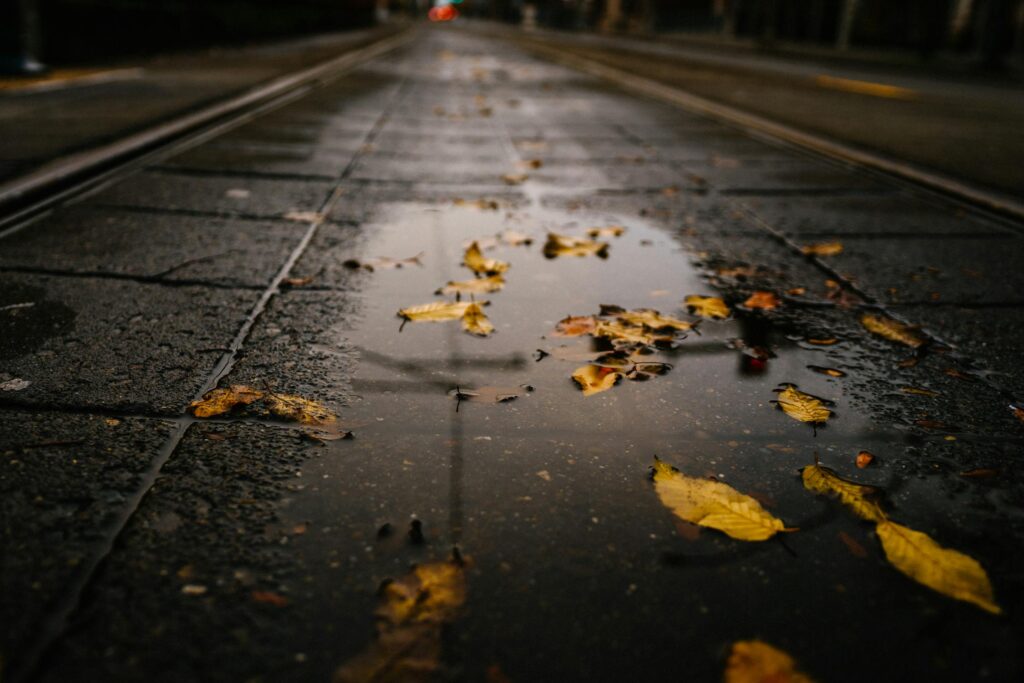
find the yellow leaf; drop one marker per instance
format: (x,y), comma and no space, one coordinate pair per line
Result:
(629,334)
(707,306)
(437,312)
(652,319)
(475,261)
(941,569)
(610,231)
(221,401)
(765,301)
(514,238)
(893,330)
(575,326)
(593,379)
(753,661)
(487,285)
(802,407)
(475,322)
(857,497)
(562,245)
(823,249)
(301,410)
(713,504)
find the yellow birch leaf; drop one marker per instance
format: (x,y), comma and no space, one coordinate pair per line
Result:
(823,249)
(438,311)
(653,319)
(707,306)
(475,261)
(221,401)
(475,321)
(941,569)
(610,231)
(802,407)
(593,379)
(893,330)
(858,497)
(753,661)
(714,505)
(563,245)
(487,285)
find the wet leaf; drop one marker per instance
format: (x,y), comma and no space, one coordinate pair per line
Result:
(918,391)
(437,312)
(645,370)
(707,306)
(296,281)
(1017,412)
(962,376)
(713,504)
(575,326)
(822,341)
(762,300)
(801,406)
(858,497)
(864,459)
(609,231)
(304,216)
(893,330)
(593,379)
(563,245)
(829,372)
(270,598)
(515,178)
(482,204)
(753,661)
(475,261)
(301,410)
(384,262)
(514,238)
(487,285)
(476,322)
(622,333)
(647,317)
(222,401)
(943,570)
(823,249)
(410,622)
(980,473)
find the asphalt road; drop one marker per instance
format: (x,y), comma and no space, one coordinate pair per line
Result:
(141,541)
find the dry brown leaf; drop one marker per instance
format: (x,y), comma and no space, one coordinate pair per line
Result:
(943,570)
(487,285)
(762,300)
(753,661)
(858,497)
(476,322)
(562,245)
(593,379)
(829,341)
(475,261)
(801,406)
(221,401)
(864,460)
(713,504)
(893,330)
(575,326)
(609,231)
(289,407)
(707,306)
(823,249)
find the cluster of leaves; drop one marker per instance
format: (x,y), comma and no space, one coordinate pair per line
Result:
(318,420)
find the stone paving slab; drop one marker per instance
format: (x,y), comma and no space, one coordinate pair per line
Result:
(256,160)
(92,240)
(358,200)
(95,343)
(225,195)
(63,478)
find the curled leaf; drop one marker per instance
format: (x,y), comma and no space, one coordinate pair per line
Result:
(823,249)
(487,285)
(437,312)
(858,497)
(801,406)
(593,379)
(893,330)
(713,504)
(475,261)
(707,306)
(476,322)
(221,401)
(943,570)
(753,661)
(562,245)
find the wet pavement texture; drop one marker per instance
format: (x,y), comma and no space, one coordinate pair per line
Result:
(143,543)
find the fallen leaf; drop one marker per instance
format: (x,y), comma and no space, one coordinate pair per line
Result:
(858,497)
(893,330)
(609,231)
(482,204)
(822,342)
(384,263)
(917,391)
(962,376)
(765,301)
(489,394)
(562,245)
(270,598)
(296,281)
(753,661)
(475,261)
(796,291)
(221,401)
(823,249)
(487,285)
(475,321)
(707,306)
(437,312)
(304,216)
(647,317)
(593,379)
(531,163)
(514,238)
(801,406)
(575,326)
(980,473)
(626,334)
(713,504)
(515,178)
(864,459)
(1017,412)
(943,570)
(830,372)
(301,410)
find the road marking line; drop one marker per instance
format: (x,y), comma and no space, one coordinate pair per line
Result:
(891,92)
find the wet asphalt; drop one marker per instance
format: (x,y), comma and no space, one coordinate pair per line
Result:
(141,543)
